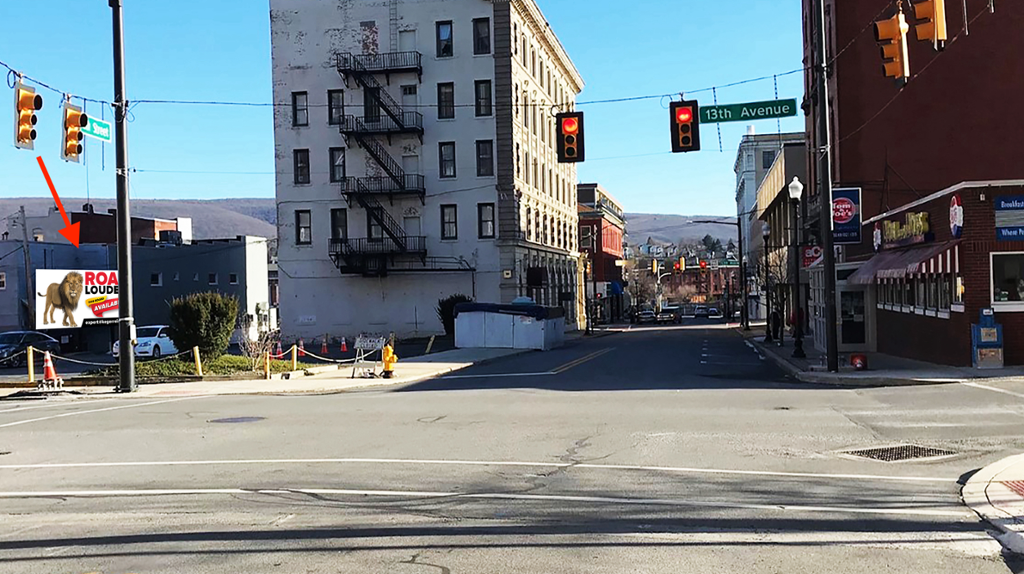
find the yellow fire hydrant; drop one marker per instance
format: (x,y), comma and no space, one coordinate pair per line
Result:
(389,358)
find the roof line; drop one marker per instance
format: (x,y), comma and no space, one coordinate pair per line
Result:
(947,191)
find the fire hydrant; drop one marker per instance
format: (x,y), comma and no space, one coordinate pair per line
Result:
(389,358)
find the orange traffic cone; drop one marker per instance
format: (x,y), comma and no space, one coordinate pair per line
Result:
(344,345)
(49,373)
(323,347)
(302,348)
(277,350)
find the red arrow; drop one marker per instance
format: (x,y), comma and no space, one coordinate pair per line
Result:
(70,230)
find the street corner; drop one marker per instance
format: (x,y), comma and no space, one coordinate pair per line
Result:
(996,494)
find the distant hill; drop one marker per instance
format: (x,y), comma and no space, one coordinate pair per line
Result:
(215,219)
(677,228)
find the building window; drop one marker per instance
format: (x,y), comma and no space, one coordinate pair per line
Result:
(212,278)
(483,98)
(233,278)
(300,109)
(156,279)
(339,224)
(303,227)
(482,36)
(586,237)
(485,220)
(485,158)
(445,101)
(767,159)
(300,162)
(335,106)
(374,230)
(446,154)
(1008,280)
(445,44)
(177,276)
(3,281)
(337,164)
(449,222)
(371,104)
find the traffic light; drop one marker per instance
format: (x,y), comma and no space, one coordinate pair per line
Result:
(685,125)
(654,266)
(678,268)
(682,264)
(26,103)
(892,34)
(933,28)
(74,121)
(570,137)
(703,267)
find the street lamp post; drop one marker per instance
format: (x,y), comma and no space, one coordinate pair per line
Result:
(796,190)
(766,233)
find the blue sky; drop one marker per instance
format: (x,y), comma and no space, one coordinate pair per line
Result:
(195,50)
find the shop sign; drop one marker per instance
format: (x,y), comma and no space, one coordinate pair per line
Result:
(68,299)
(846,215)
(1010,218)
(956,216)
(812,255)
(913,230)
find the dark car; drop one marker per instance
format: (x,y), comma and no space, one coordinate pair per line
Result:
(14,343)
(702,311)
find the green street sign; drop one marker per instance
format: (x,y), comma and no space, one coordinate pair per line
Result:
(747,112)
(98,129)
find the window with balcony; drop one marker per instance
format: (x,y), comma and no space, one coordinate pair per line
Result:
(483,98)
(339,224)
(337,164)
(446,101)
(449,222)
(445,42)
(482,36)
(335,106)
(300,109)
(303,227)
(485,220)
(300,165)
(485,158)
(446,155)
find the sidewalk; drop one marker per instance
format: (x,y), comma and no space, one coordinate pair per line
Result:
(883,370)
(996,494)
(334,380)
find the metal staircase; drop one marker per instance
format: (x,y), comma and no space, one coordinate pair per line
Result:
(391,227)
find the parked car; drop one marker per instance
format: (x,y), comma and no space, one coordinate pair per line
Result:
(13,343)
(701,311)
(152,341)
(714,312)
(646,316)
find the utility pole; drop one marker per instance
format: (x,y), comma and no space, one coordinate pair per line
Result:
(744,294)
(30,324)
(124,232)
(825,190)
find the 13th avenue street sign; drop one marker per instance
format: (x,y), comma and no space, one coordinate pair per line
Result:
(98,129)
(747,112)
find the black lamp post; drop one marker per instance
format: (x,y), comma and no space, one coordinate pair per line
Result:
(766,232)
(796,190)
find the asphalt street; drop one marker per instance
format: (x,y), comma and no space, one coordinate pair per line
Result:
(656,450)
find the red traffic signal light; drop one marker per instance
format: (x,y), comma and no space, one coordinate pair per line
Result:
(703,264)
(685,126)
(569,146)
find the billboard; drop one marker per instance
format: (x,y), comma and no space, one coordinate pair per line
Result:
(846,215)
(68,299)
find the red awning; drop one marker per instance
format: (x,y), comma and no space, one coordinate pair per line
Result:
(899,263)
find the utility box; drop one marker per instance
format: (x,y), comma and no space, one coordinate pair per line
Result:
(516,326)
(987,342)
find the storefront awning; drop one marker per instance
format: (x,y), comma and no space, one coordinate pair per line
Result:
(899,263)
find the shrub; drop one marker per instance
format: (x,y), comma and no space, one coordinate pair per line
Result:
(204,320)
(446,311)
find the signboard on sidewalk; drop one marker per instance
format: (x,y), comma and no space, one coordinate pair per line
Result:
(846,215)
(68,299)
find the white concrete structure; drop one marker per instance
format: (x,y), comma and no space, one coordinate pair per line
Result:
(417,160)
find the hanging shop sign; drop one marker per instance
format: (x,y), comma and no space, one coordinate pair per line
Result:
(956,216)
(913,230)
(846,215)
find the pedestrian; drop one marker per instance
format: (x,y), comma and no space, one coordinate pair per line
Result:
(775,320)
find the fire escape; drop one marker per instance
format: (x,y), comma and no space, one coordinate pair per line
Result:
(382,117)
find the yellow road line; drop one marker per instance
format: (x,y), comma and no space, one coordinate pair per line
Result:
(580,361)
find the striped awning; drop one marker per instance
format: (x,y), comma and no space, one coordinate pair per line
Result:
(941,257)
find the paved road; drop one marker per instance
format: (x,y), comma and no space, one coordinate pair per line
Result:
(658,450)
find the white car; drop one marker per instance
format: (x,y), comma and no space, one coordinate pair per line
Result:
(151,341)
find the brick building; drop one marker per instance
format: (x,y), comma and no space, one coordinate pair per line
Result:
(602,235)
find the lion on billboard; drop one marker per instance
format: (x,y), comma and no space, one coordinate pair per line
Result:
(63,296)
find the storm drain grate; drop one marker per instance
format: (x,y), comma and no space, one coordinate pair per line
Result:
(238,420)
(899,453)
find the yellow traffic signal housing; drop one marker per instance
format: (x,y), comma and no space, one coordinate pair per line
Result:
(892,34)
(74,121)
(933,27)
(654,266)
(26,103)
(682,264)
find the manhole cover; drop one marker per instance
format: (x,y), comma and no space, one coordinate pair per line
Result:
(899,453)
(238,420)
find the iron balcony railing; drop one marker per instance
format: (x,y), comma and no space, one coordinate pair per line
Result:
(384,185)
(377,246)
(412,122)
(386,62)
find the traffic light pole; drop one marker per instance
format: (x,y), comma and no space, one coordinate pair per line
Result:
(126,360)
(825,190)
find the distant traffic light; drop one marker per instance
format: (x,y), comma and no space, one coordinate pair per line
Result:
(74,121)
(682,264)
(685,124)
(654,266)
(678,269)
(703,267)
(933,27)
(26,103)
(570,147)
(892,34)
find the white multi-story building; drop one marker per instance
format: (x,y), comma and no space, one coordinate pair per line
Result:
(417,160)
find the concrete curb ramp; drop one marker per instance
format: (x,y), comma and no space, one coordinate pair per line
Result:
(987,494)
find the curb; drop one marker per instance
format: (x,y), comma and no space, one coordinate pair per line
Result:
(976,495)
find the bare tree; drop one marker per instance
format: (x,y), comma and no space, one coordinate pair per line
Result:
(254,345)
